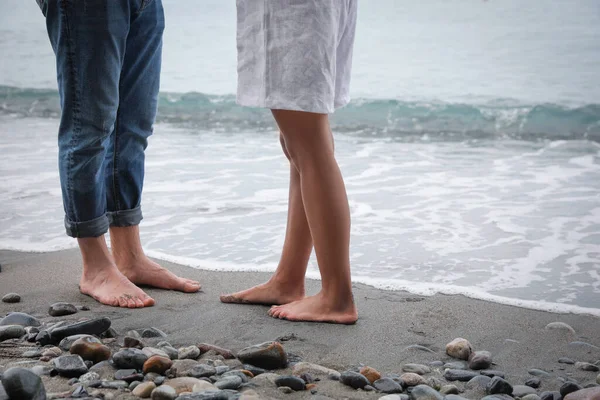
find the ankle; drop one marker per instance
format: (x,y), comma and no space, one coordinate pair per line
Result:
(288,283)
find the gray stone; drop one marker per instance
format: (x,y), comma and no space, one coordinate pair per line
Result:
(459,375)
(538,372)
(522,391)
(533,382)
(531,397)
(128,375)
(67,342)
(11,298)
(206,395)
(306,368)
(153,333)
(104,369)
(499,386)
(239,373)
(480,360)
(164,393)
(453,397)
(436,364)
(565,360)
(190,352)
(354,380)
(560,326)
(130,359)
(479,383)
(419,347)
(449,389)
(498,397)
(114,385)
(291,381)
(19,318)
(62,309)
(171,352)
(55,335)
(41,370)
(11,332)
(202,371)
(583,345)
(144,389)
(412,379)
(550,395)
(268,355)
(388,386)
(424,392)
(222,369)
(36,353)
(456,365)
(70,366)
(569,387)
(229,382)
(416,368)
(285,390)
(89,377)
(153,351)
(585,366)
(491,373)
(598,379)
(22,384)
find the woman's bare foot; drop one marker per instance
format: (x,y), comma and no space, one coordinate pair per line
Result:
(317,309)
(109,286)
(143,271)
(266,294)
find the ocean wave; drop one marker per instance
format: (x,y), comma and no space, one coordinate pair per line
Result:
(402,120)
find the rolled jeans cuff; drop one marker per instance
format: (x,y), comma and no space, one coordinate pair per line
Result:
(125,217)
(92,228)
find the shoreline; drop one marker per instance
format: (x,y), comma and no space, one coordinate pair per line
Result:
(394,328)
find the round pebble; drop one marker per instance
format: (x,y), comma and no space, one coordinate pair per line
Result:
(388,386)
(190,352)
(164,393)
(370,373)
(290,381)
(11,298)
(144,390)
(354,379)
(90,350)
(459,348)
(62,309)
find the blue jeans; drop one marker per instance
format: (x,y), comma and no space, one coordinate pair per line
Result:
(108,58)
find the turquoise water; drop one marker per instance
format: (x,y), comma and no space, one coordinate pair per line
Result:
(471,150)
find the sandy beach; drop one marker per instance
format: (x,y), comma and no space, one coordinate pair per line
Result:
(389,323)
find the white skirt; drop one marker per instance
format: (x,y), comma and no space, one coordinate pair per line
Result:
(295,54)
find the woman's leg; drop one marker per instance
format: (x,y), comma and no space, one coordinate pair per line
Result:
(287,284)
(310,146)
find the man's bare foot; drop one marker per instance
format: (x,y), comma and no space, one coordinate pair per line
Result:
(143,271)
(266,294)
(109,286)
(317,309)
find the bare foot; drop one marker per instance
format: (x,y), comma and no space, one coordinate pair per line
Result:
(317,309)
(109,286)
(267,294)
(144,271)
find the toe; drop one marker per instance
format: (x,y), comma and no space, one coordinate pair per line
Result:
(147,301)
(139,303)
(123,302)
(191,286)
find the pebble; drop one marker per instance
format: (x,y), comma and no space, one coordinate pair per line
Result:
(565,360)
(201,386)
(585,394)
(569,387)
(480,360)
(412,379)
(308,368)
(269,355)
(70,366)
(560,326)
(114,385)
(434,383)
(134,384)
(285,390)
(585,345)
(153,333)
(67,342)
(129,359)
(129,341)
(90,349)
(226,354)
(22,384)
(290,381)
(153,351)
(171,352)
(89,377)
(265,379)
(91,327)
(370,373)
(424,392)
(42,370)
(585,366)
(598,379)
(388,386)
(533,382)
(202,371)
(52,352)
(491,373)
(11,332)
(245,378)
(157,364)
(354,379)
(550,396)
(183,384)
(436,364)
(394,397)
(105,369)
(190,352)
(459,375)
(538,372)
(531,397)
(522,390)
(11,298)
(144,390)
(499,386)
(419,347)
(222,369)
(456,365)
(32,353)
(128,375)
(416,368)
(229,382)
(250,395)
(449,389)
(498,397)
(454,397)
(19,318)
(79,392)
(164,393)
(61,309)
(459,348)
(479,383)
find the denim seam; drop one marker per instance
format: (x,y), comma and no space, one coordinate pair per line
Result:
(115,160)
(76,105)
